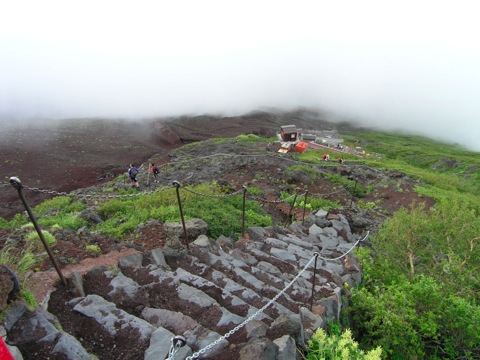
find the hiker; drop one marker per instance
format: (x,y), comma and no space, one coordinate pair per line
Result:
(340,160)
(155,171)
(132,172)
(325,157)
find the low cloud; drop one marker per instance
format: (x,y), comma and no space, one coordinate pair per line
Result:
(389,67)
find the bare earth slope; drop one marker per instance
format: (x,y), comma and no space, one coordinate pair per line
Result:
(72,154)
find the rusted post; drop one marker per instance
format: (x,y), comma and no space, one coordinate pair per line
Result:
(304,207)
(291,208)
(243,210)
(149,172)
(177,185)
(17,184)
(313,282)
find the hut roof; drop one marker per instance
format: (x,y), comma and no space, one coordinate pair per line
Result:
(288,129)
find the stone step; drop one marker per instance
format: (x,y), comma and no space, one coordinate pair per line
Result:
(196,336)
(254,279)
(232,303)
(226,282)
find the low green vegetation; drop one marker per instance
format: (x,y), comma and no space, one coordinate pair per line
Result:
(420,294)
(314,156)
(93,248)
(338,346)
(207,201)
(442,165)
(313,203)
(30,299)
(34,239)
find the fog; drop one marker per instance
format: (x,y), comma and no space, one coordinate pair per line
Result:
(407,65)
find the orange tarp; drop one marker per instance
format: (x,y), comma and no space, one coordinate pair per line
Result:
(301,146)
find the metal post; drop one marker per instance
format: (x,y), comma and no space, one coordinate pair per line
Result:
(291,208)
(304,207)
(149,172)
(313,282)
(243,210)
(177,342)
(177,185)
(18,185)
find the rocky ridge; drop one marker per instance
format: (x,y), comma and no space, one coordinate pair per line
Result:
(135,309)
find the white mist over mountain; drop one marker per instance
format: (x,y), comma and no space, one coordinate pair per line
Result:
(406,65)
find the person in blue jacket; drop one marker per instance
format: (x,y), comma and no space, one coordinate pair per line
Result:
(133,172)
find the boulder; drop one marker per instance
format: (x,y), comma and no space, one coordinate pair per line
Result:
(259,349)
(194,228)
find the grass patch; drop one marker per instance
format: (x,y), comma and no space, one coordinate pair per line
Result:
(223,215)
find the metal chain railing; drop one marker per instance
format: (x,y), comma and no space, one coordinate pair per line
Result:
(107,197)
(95,196)
(349,250)
(213,196)
(258,198)
(251,317)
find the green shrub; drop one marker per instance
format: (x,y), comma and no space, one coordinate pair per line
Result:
(415,319)
(94,248)
(64,221)
(441,243)
(57,203)
(222,214)
(251,138)
(420,284)
(313,203)
(30,299)
(337,347)
(26,262)
(4,223)
(7,256)
(34,237)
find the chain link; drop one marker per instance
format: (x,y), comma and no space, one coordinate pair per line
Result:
(96,196)
(346,253)
(328,194)
(258,198)
(213,196)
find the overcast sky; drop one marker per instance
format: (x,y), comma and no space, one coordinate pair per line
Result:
(412,65)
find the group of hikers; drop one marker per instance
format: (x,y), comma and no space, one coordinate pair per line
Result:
(326,157)
(133,172)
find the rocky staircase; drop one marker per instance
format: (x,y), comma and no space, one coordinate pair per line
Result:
(217,296)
